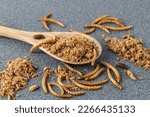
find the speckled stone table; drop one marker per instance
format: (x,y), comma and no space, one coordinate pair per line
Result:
(24,15)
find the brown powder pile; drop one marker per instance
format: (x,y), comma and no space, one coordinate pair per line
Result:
(74,49)
(15,76)
(130,48)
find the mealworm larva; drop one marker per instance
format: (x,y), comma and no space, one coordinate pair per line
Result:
(45,41)
(97,26)
(84,86)
(91,29)
(53,21)
(68,91)
(62,95)
(73,92)
(38,36)
(73,69)
(94,83)
(111,21)
(119,28)
(94,57)
(33,88)
(99,18)
(113,80)
(113,69)
(131,75)
(44,78)
(62,92)
(95,75)
(90,73)
(45,23)
(59,80)
(121,65)
(84,32)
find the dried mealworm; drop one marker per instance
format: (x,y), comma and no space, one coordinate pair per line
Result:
(99,18)
(59,80)
(84,32)
(94,57)
(94,83)
(53,21)
(113,69)
(91,29)
(119,28)
(39,36)
(111,21)
(131,75)
(73,92)
(67,90)
(84,86)
(113,80)
(97,26)
(95,75)
(62,92)
(33,88)
(121,65)
(62,95)
(45,23)
(73,69)
(45,41)
(90,73)
(44,78)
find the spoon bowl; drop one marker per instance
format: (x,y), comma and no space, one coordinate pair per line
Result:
(28,38)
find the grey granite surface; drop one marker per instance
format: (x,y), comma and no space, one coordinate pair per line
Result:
(23,14)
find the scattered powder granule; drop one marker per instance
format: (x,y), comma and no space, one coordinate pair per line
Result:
(74,48)
(15,76)
(130,48)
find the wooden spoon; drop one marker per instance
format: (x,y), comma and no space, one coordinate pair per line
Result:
(28,38)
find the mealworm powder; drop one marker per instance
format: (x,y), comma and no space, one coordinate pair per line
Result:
(130,48)
(74,48)
(15,76)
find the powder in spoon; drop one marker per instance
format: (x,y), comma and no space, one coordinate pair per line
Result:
(74,48)
(15,76)
(130,48)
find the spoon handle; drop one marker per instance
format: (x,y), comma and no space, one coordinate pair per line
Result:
(17,34)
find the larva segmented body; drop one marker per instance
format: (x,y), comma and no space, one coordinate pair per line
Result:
(90,73)
(113,80)
(84,86)
(62,95)
(113,69)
